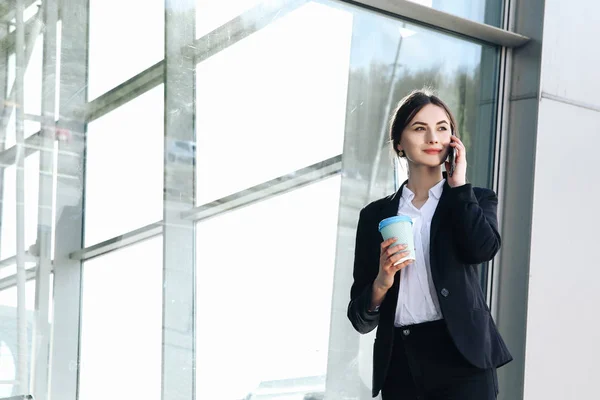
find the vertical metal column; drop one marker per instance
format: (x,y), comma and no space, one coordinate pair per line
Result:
(23,354)
(44,233)
(69,200)
(179,280)
(3,86)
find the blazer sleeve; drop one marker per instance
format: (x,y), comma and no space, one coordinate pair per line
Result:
(364,275)
(475,223)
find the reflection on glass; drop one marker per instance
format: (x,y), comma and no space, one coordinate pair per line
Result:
(32,93)
(390,58)
(265,276)
(274,102)
(121,327)
(8,242)
(125,38)
(124,167)
(211,14)
(483,11)
(8,331)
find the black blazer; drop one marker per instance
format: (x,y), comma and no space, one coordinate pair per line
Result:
(464,233)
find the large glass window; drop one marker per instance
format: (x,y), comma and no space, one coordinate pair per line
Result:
(124,168)
(126,37)
(8,242)
(272,120)
(345,74)
(9,350)
(265,105)
(265,277)
(121,326)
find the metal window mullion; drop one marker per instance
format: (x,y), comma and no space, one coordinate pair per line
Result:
(45,203)
(69,213)
(505,76)
(179,327)
(19,96)
(3,85)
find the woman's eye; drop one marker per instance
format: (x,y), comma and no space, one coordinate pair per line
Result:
(443,128)
(420,128)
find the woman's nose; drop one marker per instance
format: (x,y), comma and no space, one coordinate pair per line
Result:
(433,139)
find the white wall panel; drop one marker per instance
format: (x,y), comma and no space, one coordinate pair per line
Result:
(570,55)
(562,326)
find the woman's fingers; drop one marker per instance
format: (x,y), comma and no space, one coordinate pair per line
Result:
(395,258)
(387,243)
(404,264)
(394,249)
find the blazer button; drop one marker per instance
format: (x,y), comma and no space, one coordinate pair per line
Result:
(406,332)
(445,292)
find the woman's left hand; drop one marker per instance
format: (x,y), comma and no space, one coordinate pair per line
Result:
(459,177)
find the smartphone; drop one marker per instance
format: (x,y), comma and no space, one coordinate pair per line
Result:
(452,160)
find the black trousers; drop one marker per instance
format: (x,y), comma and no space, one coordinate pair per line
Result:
(426,365)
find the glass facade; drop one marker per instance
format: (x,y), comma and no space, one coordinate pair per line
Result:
(181,187)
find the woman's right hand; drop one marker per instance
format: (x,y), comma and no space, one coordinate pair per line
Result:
(387,269)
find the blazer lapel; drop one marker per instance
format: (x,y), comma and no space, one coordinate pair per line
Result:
(440,211)
(390,210)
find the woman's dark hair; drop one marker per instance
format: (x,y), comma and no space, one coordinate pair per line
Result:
(408,107)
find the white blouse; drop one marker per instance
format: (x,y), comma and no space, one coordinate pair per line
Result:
(417,297)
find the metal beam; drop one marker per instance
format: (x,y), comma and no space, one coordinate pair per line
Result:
(261,15)
(409,10)
(118,242)
(31,145)
(7,262)
(7,10)
(11,281)
(136,86)
(265,190)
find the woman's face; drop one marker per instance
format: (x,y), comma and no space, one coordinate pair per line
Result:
(426,138)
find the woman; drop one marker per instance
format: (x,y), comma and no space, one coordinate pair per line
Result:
(435,336)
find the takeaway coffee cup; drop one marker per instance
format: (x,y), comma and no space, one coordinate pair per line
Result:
(399,227)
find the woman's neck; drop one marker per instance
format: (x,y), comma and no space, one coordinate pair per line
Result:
(422,178)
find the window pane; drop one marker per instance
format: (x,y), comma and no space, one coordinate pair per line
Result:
(211,14)
(121,327)
(275,258)
(125,38)
(32,92)
(8,330)
(483,11)
(390,58)
(273,102)
(8,245)
(124,168)
(408,57)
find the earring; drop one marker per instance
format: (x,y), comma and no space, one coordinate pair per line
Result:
(401,153)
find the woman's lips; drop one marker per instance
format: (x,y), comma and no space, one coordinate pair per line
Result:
(433,151)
